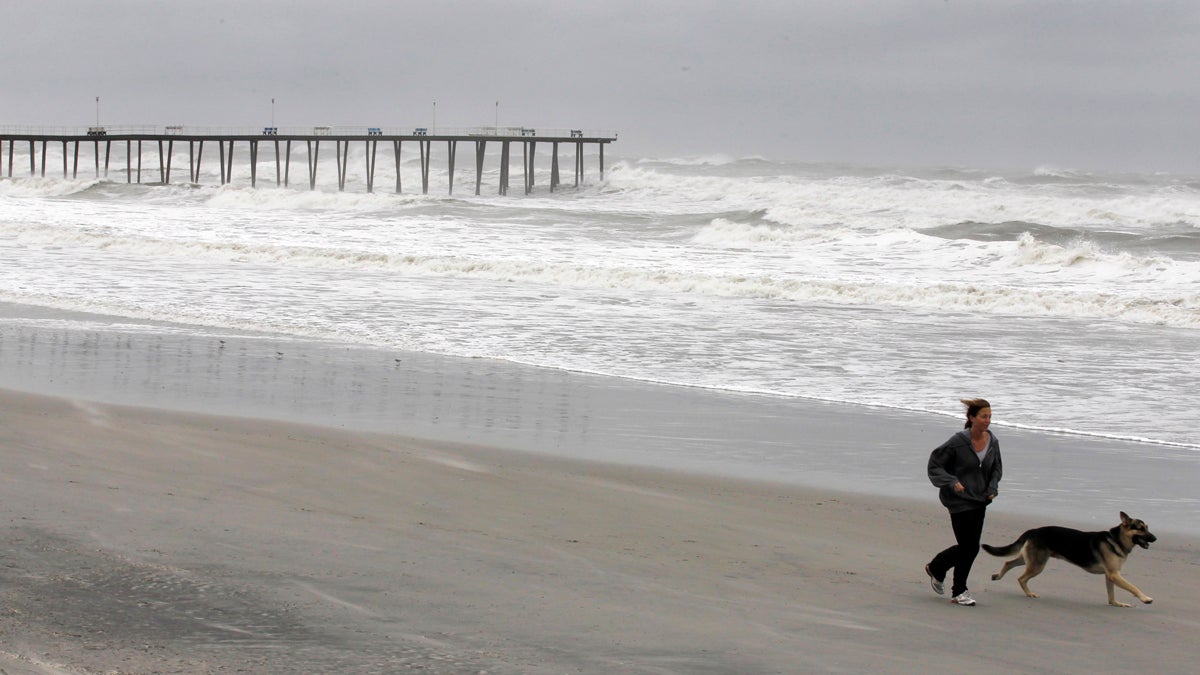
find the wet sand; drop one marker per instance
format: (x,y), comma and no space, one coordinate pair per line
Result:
(138,540)
(498,404)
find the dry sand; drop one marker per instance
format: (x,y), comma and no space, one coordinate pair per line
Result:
(144,541)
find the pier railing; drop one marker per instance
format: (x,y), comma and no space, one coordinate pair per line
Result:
(12,130)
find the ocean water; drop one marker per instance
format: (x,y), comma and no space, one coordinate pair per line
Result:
(1069,299)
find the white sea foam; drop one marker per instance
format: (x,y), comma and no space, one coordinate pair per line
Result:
(890,201)
(280,199)
(1137,288)
(702,160)
(43,187)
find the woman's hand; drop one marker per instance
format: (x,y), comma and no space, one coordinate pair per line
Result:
(958,487)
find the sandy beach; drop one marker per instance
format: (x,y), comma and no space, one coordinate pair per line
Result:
(147,541)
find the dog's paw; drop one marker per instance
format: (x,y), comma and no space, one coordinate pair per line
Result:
(995,577)
(1120,604)
(1147,600)
(1031,594)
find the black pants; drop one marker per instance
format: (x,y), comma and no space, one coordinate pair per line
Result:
(968,527)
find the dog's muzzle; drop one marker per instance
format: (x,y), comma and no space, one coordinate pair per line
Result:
(1144,540)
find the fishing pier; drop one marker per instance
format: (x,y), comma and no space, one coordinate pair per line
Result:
(129,143)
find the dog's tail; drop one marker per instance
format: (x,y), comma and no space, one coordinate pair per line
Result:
(1007,550)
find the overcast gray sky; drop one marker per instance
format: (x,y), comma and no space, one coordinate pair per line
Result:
(1100,84)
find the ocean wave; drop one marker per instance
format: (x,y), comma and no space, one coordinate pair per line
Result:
(717,159)
(1177,240)
(283,199)
(1048,171)
(758,231)
(896,200)
(1010,246)
(871,200)
(36,186)
(1165,307)
(1032,251)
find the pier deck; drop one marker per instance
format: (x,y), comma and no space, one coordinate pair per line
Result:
(102,139)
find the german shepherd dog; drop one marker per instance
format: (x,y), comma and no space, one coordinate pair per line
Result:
(1101,552)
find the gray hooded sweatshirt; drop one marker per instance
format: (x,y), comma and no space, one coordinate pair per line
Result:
(955,461)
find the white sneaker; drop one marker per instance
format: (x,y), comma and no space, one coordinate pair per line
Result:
(937,586)
(963,598)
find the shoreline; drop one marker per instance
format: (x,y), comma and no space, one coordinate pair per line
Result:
(142,540)
(1050,477)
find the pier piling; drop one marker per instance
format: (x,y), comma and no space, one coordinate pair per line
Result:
(165,138)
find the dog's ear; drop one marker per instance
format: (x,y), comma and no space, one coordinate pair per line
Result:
(1124,518)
